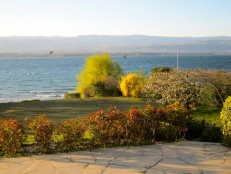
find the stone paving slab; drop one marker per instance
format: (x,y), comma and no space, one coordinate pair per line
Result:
(185,157)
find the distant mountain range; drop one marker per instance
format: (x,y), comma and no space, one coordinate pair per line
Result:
(27,45)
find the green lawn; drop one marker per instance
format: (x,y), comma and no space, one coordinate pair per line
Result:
(63,109)
(209,114)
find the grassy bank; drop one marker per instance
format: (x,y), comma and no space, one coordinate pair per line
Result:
(63,109)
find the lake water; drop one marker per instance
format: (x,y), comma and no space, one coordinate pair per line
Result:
(47,78)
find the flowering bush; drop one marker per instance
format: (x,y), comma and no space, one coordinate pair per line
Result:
(11,137)
(171,87)
(226,122)
(131,85)
(43,128)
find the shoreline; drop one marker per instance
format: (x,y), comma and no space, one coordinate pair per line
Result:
(29,100)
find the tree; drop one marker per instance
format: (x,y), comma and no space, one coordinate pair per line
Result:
(97,69)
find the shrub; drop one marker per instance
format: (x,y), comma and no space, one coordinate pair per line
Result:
(72,95)
(203,131)
(71,132)
(107,87)
(107,127)
(138,125)
(226,122)
(43,128)
(144,123)
(168,88)
(160,69)
(11,137)
(131,85)
(97,68)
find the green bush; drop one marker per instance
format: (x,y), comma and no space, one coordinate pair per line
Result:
(43,129)
(226,122)
(203,131)
(72,95)
(160,69)
(11,137)
(215,86)
(106,88)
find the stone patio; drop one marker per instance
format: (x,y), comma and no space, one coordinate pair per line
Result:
(185,157)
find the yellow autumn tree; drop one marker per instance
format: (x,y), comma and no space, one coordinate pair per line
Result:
(131,85)
(96,69)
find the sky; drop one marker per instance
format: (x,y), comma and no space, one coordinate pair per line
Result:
(177,18)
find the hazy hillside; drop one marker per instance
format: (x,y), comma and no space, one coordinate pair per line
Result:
(114,44)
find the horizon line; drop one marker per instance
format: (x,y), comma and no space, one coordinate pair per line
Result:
(115,35)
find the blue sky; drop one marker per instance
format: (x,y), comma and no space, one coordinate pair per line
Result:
(115,17)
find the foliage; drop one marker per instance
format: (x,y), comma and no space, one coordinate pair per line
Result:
(207,87)
(71,131)
(210,114)
(11,137)
(160,69)
(43,128)
(97,68)
(226,122)
(168,88)
(131,85)
(215,86)
(71,95)
(203,130)
(138,125)
(112,127)
(107,128)
(107,87)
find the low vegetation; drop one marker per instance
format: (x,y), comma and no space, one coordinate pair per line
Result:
(102,128)
(226,122)
(72,95)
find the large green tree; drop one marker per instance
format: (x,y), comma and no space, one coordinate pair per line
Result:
(97,68)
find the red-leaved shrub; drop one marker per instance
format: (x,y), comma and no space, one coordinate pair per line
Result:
(71,131)
(11,137)
(43,128)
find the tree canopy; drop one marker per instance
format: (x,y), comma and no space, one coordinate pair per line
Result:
(97,68)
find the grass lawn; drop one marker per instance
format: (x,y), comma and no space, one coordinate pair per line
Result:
(63,109)
(209,114)
(59,110)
